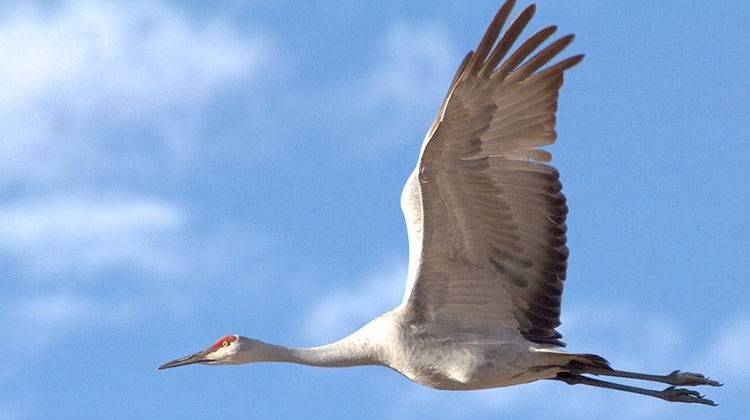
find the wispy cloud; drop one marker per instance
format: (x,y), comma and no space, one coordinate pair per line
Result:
(100,97)
(623,334)
(726,354)
(414,64)
(31,323)
(401,89)
(82,234)
(103,105)
(340,312)
(79,73)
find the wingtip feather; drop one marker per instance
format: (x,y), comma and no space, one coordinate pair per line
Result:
(510,37)
(490,36)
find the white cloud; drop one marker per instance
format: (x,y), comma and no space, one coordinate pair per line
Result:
(342,311)
(37,321)
(77,233)
(401,90)
(623,334)
(73,73)
(726,354)
(105,93)
(415,64)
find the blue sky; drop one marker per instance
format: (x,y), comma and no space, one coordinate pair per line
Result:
(172,172)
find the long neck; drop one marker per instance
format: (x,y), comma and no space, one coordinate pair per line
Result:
(350,351)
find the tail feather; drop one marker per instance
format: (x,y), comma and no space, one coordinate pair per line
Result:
(560,361)
(578,362)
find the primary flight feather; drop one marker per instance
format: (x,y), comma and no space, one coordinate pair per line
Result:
(485,216)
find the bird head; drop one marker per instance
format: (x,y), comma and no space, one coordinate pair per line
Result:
(224,351)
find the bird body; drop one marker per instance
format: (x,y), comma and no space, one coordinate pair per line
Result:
(485,217)
(424,355)
(443,360)
(467,361)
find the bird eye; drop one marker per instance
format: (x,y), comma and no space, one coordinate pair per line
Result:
(224,343)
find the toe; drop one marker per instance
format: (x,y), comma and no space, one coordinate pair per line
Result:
(678,377)
(685,395)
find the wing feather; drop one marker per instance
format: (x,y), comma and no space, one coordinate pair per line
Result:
(485,212)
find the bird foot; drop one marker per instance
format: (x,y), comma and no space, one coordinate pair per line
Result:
(679,377)
(684,395)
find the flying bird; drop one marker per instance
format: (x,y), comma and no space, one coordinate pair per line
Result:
(485,218)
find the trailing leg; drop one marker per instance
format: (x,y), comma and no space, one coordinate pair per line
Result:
(677,377)
(671,393)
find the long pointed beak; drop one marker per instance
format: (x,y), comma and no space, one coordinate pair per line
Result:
(199,357)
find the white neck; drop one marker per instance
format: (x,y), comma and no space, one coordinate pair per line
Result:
(370,345)
(350,351)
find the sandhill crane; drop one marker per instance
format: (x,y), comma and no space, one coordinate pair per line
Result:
(486,225)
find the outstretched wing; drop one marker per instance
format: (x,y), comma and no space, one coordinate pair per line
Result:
(484,209)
